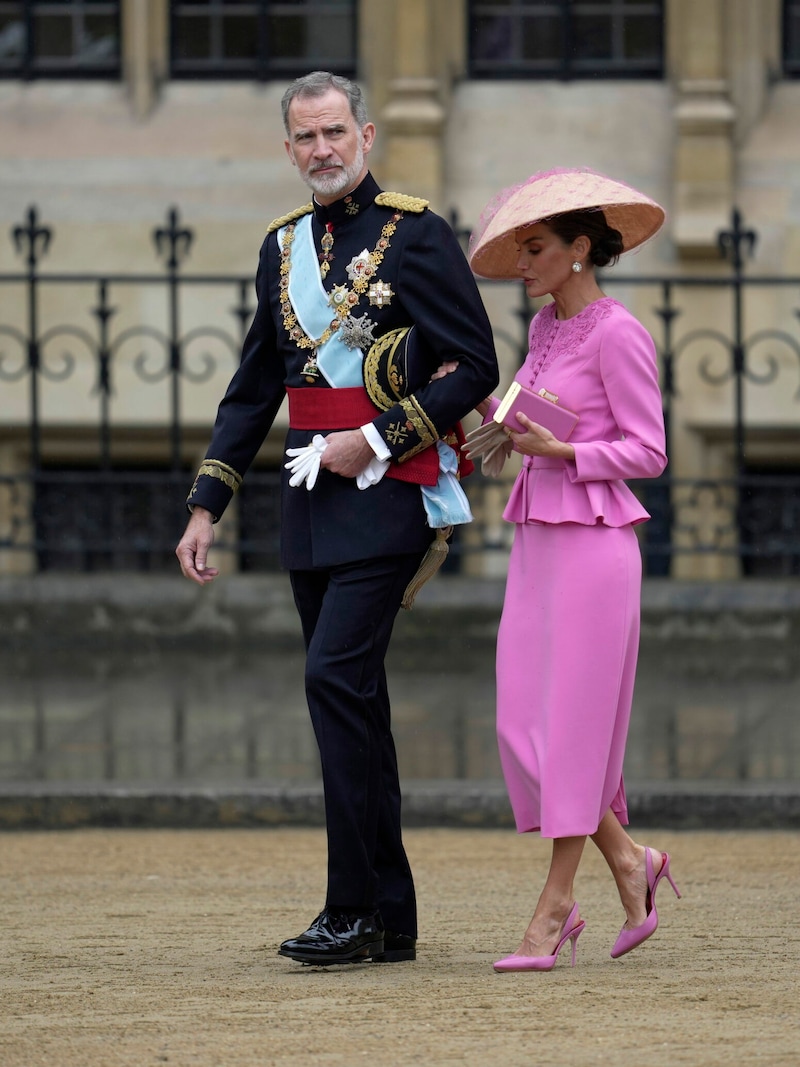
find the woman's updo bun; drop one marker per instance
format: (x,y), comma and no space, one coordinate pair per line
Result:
(606,242)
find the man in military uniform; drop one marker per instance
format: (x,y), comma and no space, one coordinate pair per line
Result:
(362,296)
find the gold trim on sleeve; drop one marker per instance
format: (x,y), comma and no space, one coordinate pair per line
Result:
(215,468)
(426,431)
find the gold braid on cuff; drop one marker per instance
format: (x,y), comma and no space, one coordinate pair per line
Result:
(215,468)
(426,431)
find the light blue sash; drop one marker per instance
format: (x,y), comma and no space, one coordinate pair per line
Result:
(339,365)
(445,503)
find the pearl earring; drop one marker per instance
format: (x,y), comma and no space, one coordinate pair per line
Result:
(577,266)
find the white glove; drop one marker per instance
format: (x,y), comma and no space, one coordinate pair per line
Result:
(372,473)
(306,461)
(492,444)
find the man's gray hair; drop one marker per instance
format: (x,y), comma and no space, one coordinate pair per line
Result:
(319,82)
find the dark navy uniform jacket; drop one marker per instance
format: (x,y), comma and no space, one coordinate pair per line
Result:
(433,289)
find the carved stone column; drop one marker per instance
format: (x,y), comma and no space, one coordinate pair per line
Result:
(145,50)
(412,118)
(704,124)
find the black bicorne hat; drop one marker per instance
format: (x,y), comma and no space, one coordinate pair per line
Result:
(394,367)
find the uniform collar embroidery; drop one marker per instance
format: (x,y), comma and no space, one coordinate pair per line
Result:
(350,206)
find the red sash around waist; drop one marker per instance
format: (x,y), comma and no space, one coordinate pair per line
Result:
(347,409)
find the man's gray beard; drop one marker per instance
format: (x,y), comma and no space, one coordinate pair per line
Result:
(333,184)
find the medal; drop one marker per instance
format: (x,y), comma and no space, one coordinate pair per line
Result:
(310,369)
(325,256)
(361,268)
(380,294)
(357,331)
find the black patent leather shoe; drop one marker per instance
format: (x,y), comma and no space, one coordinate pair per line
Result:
(396,948)
(336,937)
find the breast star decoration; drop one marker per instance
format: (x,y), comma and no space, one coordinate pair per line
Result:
(358,331)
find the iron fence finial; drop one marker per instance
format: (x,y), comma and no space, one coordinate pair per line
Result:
(35,236)
(734,242)
(173,240)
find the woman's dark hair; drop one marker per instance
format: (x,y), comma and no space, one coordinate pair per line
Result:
(606,242)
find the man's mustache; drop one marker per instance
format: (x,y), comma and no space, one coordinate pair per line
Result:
(324,166)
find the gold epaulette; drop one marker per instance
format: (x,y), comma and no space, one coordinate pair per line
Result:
(293,216)
(401,202)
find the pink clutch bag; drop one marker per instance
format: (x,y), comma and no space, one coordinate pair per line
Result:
(541,407)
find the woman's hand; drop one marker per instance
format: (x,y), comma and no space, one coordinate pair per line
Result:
(447,368)
(539,441)
(444,369)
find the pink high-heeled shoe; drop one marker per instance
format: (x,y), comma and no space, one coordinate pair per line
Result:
(628,939)
(546,963)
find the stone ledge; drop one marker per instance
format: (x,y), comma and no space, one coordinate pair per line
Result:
(168,611)
(474,804)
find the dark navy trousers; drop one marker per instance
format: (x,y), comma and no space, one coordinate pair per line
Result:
(347,614)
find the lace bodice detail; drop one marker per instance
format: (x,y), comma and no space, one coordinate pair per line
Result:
(549,336)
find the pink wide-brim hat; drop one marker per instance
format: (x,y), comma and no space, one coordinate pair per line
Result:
(493,250)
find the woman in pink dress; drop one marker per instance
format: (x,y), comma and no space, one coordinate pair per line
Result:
(569,633)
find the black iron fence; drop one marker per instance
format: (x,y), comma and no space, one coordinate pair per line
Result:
(108,384)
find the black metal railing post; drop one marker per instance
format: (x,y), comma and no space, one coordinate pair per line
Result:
(658,493)
(103,313)
(33,241)
(243,310)
(175,242)
(732,243)
(524,314)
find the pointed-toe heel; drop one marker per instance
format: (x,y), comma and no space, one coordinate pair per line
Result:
(571,931)
(629,939)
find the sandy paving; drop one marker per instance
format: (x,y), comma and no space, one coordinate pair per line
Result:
(129,948)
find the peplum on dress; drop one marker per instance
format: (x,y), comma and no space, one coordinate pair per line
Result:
(569,633)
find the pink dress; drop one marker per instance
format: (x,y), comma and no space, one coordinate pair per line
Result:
(569,633)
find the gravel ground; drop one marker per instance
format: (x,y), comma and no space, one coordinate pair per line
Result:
(130,948)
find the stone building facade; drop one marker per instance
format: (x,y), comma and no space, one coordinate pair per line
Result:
(464,105)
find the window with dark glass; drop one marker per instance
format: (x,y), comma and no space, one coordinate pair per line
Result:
(262,39)
(126,519)
(791,38)
(769,518)
(59,38)
(566,38)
